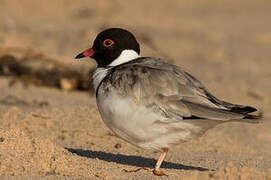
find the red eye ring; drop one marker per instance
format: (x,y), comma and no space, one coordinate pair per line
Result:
(108,42)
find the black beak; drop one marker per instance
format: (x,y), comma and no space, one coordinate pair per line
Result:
(79,56)
(87,53)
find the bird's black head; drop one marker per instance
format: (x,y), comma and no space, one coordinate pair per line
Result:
(110,44)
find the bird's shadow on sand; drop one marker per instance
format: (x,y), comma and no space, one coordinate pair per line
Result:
(130,160)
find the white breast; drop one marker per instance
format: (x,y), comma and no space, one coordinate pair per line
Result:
(98,75)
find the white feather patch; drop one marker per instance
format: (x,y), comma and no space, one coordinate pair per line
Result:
(98,75)
(125,56)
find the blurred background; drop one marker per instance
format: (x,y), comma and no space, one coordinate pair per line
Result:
(233,38)
(225,44)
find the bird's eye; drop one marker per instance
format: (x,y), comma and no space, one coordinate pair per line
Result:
(108,42)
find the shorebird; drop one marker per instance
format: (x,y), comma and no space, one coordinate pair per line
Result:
(150,103)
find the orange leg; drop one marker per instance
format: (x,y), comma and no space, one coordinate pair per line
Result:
(157,171)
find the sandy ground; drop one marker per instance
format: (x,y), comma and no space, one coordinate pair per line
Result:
(48,133)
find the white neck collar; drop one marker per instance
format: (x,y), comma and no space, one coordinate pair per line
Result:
(125,56)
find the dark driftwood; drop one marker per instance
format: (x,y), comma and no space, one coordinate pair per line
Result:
(41,71)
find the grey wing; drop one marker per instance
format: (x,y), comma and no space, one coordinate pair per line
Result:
(229,106)
(175,93)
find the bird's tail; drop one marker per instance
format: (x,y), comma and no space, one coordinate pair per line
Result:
(251,118)
(254,118)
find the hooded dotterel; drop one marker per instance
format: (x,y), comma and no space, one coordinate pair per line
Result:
(150,103)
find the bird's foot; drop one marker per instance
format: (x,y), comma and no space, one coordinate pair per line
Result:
(159,172)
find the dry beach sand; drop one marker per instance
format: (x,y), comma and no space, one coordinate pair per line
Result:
(51,133)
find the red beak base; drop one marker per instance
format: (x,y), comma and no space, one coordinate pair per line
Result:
(87,53)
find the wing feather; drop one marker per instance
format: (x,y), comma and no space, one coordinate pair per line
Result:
(153,82)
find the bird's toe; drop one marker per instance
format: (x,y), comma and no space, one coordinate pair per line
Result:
(159,172)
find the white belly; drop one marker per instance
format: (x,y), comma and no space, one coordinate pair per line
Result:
(139,125)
